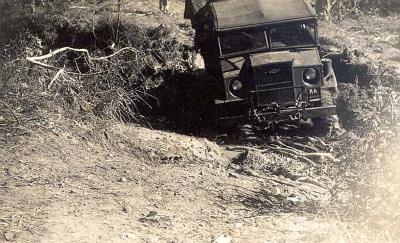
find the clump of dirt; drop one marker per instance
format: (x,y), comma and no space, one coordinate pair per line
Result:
(165,147)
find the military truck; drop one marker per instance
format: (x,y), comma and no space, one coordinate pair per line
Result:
(264,58)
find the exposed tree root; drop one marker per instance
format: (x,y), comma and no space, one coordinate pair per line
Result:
(309,158)
(303,185)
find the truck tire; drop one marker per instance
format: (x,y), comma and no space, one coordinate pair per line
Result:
(329,125)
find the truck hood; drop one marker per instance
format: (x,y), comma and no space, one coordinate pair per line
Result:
(309,57)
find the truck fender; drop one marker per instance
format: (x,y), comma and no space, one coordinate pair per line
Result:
(329,79)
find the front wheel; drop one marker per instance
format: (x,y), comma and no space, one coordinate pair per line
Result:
(327,126)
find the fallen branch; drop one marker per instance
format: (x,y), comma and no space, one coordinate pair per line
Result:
(36,60)
(116,53)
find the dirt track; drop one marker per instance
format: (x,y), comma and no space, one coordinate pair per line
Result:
(129,184)
(71,181)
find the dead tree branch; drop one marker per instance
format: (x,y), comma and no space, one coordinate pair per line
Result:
(36,60)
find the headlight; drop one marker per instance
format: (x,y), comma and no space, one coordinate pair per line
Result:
(310,75)
(236,85)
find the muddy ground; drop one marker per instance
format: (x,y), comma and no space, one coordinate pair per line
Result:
(92,180)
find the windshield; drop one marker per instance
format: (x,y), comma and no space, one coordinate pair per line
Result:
(270,37)
(290,35)
(239,41)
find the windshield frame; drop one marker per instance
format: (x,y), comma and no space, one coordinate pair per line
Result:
(230,33)
(266,29)
(315,40)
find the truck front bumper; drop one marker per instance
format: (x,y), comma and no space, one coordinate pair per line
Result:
(281,115)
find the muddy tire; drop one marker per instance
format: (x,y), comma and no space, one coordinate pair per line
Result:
(328,125)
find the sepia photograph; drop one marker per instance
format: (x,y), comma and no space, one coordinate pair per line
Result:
(185,121)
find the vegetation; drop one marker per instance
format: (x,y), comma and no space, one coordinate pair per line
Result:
(352,8)
(108,71)
(369,168)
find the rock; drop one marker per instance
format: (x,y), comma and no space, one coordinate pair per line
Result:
(293,199)
(126,209)
(151,214)
(223,239)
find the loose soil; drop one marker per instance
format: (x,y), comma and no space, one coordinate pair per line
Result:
(87,182)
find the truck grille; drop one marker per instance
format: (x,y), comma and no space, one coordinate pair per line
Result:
(274,84)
